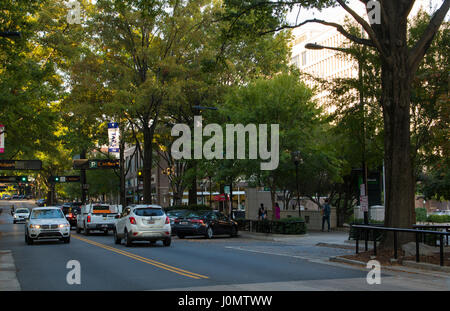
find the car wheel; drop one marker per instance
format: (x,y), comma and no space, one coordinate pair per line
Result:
(29,240)
(180,236)
(127,239)
(233,231)
(78,229)
(14,221)
(117,240)
(209,233)
(86,231)
(167,242)
(105,232)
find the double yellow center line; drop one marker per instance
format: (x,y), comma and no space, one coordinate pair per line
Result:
(143,259)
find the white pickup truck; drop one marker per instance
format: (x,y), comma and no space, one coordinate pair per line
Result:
(97,217)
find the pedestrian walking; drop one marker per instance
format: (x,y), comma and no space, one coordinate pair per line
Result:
(326,214)
(277,211)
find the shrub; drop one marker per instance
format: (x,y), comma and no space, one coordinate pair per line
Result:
(438,218)
(282,226)
(192,207)
(421,214)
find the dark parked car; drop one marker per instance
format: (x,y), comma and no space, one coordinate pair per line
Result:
(206,223)
(175,214)
(40,202)
(71,210)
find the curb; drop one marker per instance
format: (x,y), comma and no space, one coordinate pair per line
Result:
(417,266)
(269,236)
(426,266)
(347,261)
(8,276)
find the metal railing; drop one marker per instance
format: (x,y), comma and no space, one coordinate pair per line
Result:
(432,227)
(418,233)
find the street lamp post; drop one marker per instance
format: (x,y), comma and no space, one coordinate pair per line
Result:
(297,159)
(314,46)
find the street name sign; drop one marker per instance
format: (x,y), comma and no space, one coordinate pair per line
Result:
(20,165)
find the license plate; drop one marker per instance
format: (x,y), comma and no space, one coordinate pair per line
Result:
(105,226)
(150,222)
(184,223)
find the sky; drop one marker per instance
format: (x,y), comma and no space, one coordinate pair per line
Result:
(337,13)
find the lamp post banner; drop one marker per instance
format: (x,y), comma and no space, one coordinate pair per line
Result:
(2,138)
(114,137)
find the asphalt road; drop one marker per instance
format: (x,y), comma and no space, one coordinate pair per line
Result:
(188,264)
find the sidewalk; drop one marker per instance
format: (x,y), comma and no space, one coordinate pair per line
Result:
(8,277)
(339,240)
(312,238)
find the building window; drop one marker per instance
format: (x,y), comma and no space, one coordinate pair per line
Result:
(295,61)
(303,58)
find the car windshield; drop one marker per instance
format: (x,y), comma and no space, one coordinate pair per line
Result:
(148,211)
(22,211)
(46,214)
(177,213)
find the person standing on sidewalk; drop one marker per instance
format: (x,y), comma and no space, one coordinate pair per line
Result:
(326,210)
(277,211)
(261,212)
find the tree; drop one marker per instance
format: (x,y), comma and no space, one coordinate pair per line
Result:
(285,101)
(399,63)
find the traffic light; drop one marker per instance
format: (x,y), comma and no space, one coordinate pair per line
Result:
(140,175)
(53,179)
(22,178)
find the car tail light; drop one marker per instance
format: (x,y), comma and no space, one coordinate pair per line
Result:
(132,221)
(167,220)
(89,218)
(197,221)
(176,220)
(70,215)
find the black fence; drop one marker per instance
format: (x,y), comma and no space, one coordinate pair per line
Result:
(362,232)
(433,241)
(269,226)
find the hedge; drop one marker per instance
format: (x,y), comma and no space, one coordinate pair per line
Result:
(192,207)
(438,218)
(421,214)
(282,226)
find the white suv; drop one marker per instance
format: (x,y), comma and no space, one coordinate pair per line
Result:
(142,223)
(47,223)
(21,214)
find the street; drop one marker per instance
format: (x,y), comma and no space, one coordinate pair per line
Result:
(222,263)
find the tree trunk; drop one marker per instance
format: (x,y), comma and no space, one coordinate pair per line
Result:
(399,205)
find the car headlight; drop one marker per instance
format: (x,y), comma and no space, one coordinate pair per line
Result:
(15,216)
(64,225)
(34,226)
